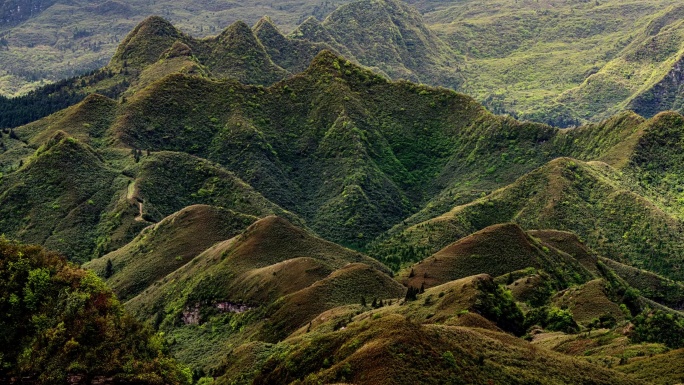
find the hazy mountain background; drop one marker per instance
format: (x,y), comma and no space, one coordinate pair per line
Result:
(559,62)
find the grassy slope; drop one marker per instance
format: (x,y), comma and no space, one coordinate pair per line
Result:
(588,199)
(662,290)
(659,369)
(589,302)
(57,197)
(166,246)
(496,250)
(289,275)
(223,271)
(378,349)
(644,77)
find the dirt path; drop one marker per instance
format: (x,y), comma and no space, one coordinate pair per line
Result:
(131,196)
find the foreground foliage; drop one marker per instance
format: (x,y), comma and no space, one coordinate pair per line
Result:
(60,320)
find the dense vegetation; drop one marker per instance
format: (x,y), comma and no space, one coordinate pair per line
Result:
(59,321)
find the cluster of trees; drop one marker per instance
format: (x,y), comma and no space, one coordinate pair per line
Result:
(59,320)
(659,326)
(54,97)
(37,104)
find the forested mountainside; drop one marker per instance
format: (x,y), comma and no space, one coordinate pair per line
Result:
(256,207)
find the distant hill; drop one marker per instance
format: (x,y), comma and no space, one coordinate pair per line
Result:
(52,40)
(560,63)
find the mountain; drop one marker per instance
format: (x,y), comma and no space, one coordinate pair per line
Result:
(564,62)
(166,246)
(496,250)
(61,323)
(644,77)
(58,196)
(590,199)
(51,40)
(271,279)
(236,206)
(561,63)
(388,36)
(335,144)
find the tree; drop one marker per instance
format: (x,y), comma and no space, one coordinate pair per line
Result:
(109,269)
(411,294)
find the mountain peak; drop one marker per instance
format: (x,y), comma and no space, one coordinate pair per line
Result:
(311,29)
(235,30)
(178,49)
(156,25)
(145,44)
(265,22)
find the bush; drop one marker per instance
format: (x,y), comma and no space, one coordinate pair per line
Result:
(551,318)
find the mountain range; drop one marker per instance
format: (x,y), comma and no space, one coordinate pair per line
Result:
(557,62)
(270,208)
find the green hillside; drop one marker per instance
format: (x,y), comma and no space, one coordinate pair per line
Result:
(393,350)
(496,250)
(166,246)
(390,37)
(263,284)
(590,199)
(57,197)
(345,150)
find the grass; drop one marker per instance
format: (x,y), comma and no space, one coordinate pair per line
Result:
(659,369)
(589,302)
(496,250)
(166,246)
(378,350)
